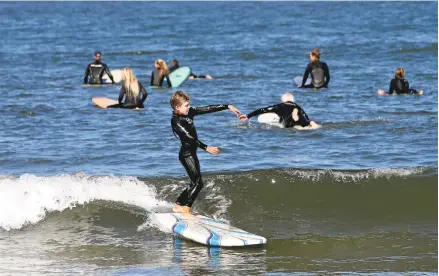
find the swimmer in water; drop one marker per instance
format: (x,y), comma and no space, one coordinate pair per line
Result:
(399,85)
(96,70)
(319,72)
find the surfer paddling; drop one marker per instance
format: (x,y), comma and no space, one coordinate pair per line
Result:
(182,123)
(290,114)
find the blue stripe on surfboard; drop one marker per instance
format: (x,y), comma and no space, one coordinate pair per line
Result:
(179,227)
(214,238)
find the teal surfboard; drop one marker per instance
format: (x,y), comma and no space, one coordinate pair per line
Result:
(179,76)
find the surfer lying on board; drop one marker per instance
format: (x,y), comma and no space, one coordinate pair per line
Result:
(182,123)
(319,72)
(96,70)
(160,72)
(290,114)
(131,89)
(399,85)
(176,65)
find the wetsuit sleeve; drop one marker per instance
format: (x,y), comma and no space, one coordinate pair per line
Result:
(152,78)
(327,76)
(121,93)
(272,108)
(305,75)
(108,73)
(87,72)
(391,87)
(194,111)
(185,135)
(168,80)
(144,92)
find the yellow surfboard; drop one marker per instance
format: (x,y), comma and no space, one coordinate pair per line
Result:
(103,102)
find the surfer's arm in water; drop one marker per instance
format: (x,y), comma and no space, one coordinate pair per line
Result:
(184,135)
(168,80)
(108,73)
(305,75)
(144,92)
(272,108)
(87,72)
(121,94)
(327,76)
(194,111)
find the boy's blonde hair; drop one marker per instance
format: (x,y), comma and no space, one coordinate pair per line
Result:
(178,98)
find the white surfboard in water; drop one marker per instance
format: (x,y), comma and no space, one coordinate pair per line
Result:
(206,230)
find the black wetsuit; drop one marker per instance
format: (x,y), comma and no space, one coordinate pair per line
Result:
(156,80)
(400,86)
(130,101)
(320,75)
(184,127)
(285,112)
(96,71)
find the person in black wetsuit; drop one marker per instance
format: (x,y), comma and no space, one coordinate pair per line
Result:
(96,71)
(319,72)
(160,72)
(290,114)
(176,65)
(399,85)
(182,123)
(131,89)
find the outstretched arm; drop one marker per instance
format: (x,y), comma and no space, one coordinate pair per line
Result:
(272,108)
(213,108)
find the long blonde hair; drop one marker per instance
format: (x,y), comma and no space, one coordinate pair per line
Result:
(130,82)
(400,73)
(163,67)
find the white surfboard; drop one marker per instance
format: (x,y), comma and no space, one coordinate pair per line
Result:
(179,76)
(298,80)
(117,76)
(206,230)
(270,118)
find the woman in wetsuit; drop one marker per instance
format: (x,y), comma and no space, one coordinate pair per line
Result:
(160,72)
(131,89)
(399,85)
(319,72)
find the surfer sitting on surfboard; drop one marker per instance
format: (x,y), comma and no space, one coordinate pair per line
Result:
(160,72)
(131,89)
(290,114)
(96,70)
(176,65)
(319,72)
(182,123)
(399,85)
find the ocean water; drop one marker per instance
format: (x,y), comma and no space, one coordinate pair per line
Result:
(355,197)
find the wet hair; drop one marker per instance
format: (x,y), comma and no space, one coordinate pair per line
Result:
(131,84)
(316,53)
(400,73)
(163,67)
(178,98)
(176,62)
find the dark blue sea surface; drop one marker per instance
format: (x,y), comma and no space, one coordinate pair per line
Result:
(73,177)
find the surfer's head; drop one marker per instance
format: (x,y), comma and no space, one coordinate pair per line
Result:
(314,55)
(161,65)
(287,97)
(98,55)
(175,63)
(400,73)
(180,102)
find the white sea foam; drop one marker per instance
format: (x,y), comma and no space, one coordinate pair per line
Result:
(28,199)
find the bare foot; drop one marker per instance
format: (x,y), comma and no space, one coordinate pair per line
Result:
(421,92)
(189,216)
(381,92)
(177,209)
(208,77)
(191,78)
(314,125)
